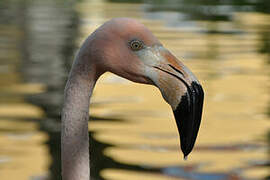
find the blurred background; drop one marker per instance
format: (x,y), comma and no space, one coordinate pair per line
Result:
(226,43)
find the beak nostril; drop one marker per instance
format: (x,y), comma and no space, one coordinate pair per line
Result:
(177,70)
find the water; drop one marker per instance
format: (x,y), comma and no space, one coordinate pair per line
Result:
(133,134)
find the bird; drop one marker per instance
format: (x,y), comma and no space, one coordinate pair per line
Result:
(127,48)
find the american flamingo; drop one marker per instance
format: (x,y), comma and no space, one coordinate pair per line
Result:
(126,48)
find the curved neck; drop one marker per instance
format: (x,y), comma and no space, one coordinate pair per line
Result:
(75,115)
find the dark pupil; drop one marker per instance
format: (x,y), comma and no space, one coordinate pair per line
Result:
(136,45)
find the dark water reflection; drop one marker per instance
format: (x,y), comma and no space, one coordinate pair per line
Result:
(210,10)
(44,33)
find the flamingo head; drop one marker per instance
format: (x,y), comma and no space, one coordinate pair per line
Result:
(127,48)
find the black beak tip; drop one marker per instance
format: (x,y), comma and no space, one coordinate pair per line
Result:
(185,152)
(185,157)
(188,116)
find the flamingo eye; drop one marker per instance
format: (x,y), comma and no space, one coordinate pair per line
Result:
(136,45)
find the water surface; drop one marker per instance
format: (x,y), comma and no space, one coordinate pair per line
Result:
(133,133)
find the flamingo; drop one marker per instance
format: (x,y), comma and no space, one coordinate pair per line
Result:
(128,49)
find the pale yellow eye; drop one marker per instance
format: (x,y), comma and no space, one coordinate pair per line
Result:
(136,45)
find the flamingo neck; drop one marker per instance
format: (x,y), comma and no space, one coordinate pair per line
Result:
(75,115)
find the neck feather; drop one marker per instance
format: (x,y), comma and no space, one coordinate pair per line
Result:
(75,115)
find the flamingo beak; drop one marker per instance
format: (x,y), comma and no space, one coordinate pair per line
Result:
(181,89)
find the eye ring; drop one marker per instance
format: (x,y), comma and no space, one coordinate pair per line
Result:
(136,45)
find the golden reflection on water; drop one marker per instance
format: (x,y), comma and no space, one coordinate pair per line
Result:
(23,153)
(234,76)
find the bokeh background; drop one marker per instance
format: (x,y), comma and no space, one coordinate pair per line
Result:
(226,43)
